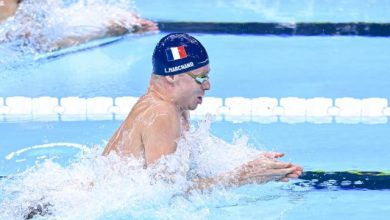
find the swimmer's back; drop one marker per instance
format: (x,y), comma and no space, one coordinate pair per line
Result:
(128,140)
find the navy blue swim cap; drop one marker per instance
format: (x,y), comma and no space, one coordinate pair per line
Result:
(178,53)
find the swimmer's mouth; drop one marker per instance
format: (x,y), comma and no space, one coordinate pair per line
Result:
(200,99)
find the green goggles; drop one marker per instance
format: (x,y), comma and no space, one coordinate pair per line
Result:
(200,79)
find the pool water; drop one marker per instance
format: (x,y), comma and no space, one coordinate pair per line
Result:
(328,97)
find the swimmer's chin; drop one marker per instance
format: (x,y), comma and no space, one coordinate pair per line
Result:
(193,107)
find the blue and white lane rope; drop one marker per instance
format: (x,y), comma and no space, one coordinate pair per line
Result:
(347,110)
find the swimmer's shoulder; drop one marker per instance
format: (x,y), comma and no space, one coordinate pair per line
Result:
(165,107)
(155,106)
(148,112)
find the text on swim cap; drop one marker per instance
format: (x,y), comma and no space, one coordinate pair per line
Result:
(178,68)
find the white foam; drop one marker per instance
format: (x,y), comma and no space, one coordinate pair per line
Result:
(79,190)
(50,145)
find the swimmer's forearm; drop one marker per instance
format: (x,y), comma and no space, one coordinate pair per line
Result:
(75,40)
(224,180)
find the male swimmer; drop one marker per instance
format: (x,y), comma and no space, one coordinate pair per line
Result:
(177,85)
(116,22)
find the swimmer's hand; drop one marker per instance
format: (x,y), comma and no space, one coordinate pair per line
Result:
(144,25)
(125,22)
(266,168)
(263,169)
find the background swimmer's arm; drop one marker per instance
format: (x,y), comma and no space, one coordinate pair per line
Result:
(118,26)
(74,40)
(69,41)
(159,138)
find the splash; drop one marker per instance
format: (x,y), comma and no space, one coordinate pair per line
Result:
(110,187)
(41,26)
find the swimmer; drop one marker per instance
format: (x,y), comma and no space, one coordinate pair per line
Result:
(177,85)
(83,24)
(8,8)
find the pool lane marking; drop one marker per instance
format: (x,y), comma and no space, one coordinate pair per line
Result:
(371,29)
(320,110)
(372,180)
(51,145)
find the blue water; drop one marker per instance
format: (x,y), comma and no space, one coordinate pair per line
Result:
(332,147)
(247,66)
(286,11)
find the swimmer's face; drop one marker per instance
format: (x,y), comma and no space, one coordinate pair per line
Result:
(7,9)
(191,87)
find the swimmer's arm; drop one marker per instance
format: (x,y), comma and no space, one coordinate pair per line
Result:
(263,169)
(159,137)
(115,139)
(76,40)
(229,179)
(115,27)
(206,184)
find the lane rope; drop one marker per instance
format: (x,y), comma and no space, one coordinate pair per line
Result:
(318,110)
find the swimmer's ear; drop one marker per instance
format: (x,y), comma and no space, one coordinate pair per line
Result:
(170,79)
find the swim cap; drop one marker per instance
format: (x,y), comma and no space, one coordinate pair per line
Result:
(178,53)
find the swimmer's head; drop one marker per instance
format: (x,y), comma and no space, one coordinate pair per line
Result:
(178,53)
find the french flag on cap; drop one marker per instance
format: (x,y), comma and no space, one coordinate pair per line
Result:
(176,53)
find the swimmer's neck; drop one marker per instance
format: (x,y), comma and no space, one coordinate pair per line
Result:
(162,93)
(7,9)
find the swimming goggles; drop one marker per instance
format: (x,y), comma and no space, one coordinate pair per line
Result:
(200,79)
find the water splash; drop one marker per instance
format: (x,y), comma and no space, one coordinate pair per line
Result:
(40,26)
(110,187)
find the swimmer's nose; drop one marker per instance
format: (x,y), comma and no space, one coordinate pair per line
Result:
(206,85)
